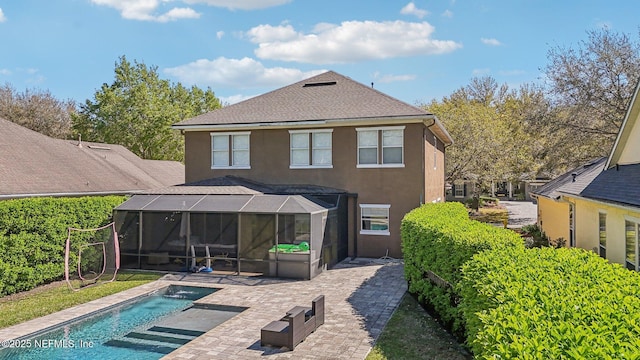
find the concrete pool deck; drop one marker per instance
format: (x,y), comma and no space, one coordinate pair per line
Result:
(360,297)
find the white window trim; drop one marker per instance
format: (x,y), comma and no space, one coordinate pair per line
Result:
(376,232)
(379,149)
(310,149)
(230,150)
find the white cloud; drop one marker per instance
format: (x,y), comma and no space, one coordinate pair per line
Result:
(5,72)
(236,73)
(240,4)
(411,9)
(145,10)
(2,17)
(220,34)
(447,14)
(268,33)
(490,42)
(393,78)
(351,41)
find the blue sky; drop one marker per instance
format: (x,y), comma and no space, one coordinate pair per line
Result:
(412,50)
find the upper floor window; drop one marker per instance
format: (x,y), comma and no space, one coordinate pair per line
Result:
(230,150)
(381,147)
(310,148)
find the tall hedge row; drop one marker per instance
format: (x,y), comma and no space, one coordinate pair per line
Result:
(437,239)
(550,304)
(33,233)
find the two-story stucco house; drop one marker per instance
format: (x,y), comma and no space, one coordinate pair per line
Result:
(351,150)
(597,206)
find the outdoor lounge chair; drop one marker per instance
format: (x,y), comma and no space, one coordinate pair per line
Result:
(287,332)
(277,332)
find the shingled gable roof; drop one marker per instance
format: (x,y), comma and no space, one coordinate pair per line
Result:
(630,127)
(328,98)
(573,181)
(32,164)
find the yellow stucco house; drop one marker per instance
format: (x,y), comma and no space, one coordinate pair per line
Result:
(597,206)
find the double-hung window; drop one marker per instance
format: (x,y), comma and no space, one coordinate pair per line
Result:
(381,147)
(310,148)
(602,232)
(230,150)
(374,219)
(631,243)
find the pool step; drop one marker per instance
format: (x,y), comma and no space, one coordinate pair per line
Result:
(158,339)
(163,329)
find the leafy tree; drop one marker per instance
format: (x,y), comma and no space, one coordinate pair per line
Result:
(491,128)
(138,109)
(37,110)
(592,85)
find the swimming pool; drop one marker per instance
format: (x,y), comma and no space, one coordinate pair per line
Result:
(146,328)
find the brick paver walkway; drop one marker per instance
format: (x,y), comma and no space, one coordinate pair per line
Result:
(360,297)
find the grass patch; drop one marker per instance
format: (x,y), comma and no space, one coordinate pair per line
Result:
(47,299)
(412,334)
(490,215)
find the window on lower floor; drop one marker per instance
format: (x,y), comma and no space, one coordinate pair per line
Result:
(230,150)
(631,244)
(374,219)
(602,229)
(459,190)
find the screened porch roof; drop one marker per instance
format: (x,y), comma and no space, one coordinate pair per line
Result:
(262,203)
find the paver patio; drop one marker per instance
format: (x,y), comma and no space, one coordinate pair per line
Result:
(360,296)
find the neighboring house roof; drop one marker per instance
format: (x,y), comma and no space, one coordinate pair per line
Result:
(33,164)
(328,98)
(572,182)
(619,185)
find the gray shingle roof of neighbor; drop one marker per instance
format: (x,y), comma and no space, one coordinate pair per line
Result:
(573,181)
(32,164)
(325,97)
(619,185)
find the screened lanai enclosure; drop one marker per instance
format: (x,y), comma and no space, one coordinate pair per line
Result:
(292,236)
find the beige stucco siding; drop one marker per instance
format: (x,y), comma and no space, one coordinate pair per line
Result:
(587,226)
(404,188)
(631,151)
(553,218)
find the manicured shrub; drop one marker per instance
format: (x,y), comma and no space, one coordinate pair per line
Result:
(438,239)
(547,303)
(33,234)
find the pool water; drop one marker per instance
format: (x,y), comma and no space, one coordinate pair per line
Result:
(148,328)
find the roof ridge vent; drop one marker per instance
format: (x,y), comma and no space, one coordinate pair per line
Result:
(322,83)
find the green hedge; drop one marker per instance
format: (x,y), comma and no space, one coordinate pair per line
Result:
(33,233)
(550,304)
(440,238)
